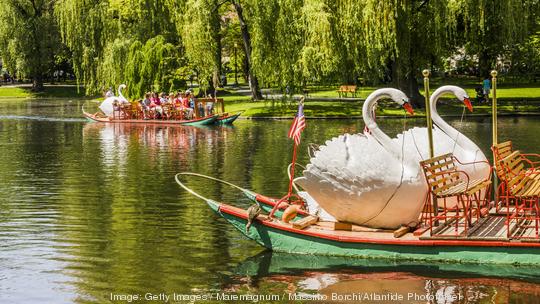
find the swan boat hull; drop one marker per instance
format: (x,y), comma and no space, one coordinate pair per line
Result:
(318,239)
(227,119)
(209,120)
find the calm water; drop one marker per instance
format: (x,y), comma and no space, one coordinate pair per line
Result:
(87,210)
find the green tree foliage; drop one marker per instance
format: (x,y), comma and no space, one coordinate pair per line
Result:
(29,38)
(202,39)
(123,41)
(157,44)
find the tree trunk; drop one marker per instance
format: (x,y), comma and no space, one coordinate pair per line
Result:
(406,82)
(37,84)
(216,36)
(404,67)
(252,79)
(484,64)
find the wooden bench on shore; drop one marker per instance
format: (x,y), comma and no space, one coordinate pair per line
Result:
(344,89)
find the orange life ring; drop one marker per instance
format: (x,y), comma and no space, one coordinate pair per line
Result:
(289,213)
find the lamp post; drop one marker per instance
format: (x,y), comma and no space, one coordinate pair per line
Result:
(429,124)
(494,130)
(235,66)
(428,112)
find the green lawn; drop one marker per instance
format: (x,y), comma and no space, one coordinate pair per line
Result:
(504,91)
(50,92)
(511,99)
(349,109)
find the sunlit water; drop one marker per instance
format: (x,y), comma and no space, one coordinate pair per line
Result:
(90,210)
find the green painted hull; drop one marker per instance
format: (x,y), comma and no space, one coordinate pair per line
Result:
(202,122)
(228,120)
(280,240)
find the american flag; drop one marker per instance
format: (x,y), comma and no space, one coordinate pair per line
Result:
(298,125)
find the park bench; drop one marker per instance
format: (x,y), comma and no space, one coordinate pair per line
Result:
(344,89)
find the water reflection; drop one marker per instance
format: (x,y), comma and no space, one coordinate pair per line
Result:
(347,280)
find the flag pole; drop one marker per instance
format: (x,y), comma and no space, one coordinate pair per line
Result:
(293,164)
(292,170)
(428,112)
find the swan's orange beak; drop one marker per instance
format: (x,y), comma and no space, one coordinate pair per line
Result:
(468,104)
(407,106)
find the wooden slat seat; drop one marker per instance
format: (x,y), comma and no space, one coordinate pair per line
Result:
(444,182)
(523,188)
(522,162)
(464,188)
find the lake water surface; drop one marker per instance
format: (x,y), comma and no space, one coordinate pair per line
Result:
(91,211)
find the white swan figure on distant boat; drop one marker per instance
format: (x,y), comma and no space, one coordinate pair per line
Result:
(121,97)
(107,106)
(367,179)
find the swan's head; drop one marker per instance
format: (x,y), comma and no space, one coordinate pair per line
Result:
(402,99)
(460,94)
(464,97)
(122,86)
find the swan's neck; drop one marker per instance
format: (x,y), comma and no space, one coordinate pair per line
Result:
(367,114)
(460,139)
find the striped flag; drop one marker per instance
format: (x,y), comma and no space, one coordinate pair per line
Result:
(298,125)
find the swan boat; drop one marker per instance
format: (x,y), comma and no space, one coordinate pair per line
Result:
(111,113)
(486,244)
(290,228)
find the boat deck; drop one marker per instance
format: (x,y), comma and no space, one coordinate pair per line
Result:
(492,227)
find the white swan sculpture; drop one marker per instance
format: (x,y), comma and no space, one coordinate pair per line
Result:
(367,179)
(413,144)
(107,106)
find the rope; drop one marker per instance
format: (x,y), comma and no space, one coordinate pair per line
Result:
(457,135)
(176,177)
(289,175)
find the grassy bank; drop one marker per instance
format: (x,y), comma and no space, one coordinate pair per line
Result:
(512,99)
(351,109)
(56,91)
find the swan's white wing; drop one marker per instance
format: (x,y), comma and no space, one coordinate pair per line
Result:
(107,106)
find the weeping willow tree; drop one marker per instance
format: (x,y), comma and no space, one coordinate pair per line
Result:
(202,40)
(489,27)
(29,38)
(117,41)
(86,27)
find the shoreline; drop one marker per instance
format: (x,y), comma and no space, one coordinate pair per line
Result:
(518,114)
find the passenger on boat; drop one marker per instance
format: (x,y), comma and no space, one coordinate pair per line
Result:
(186,105)
(200,109)
(157,104)
(109,93)
(146,105)
(209,106)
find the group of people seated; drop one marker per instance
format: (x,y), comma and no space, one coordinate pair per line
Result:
(177,106)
